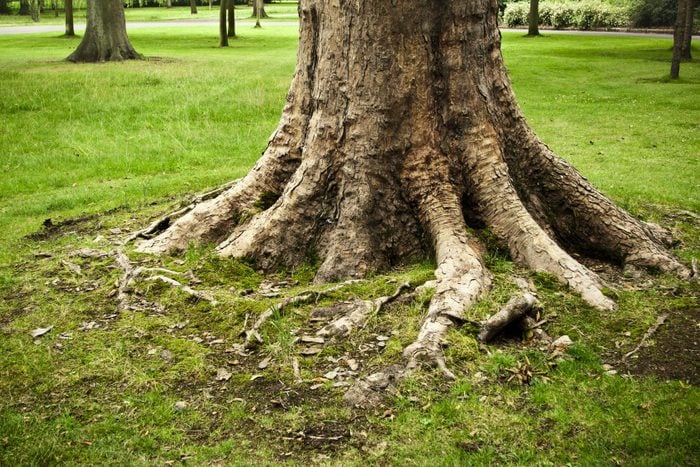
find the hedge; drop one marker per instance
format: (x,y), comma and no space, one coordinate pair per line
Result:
(586,14)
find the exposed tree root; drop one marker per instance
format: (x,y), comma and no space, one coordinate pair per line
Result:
(130,274)
(650,332)
(512,311)
(162,223)
(358,314)
(252,335)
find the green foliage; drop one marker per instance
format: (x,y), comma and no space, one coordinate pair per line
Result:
(585,14)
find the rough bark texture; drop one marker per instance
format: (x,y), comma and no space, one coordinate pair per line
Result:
(105,36)
(400,129)
(533,19)
(70,31)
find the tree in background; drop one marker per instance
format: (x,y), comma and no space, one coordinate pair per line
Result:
(364,176)
(258,11)
(193,7)
(105,36)
(70,30)
(35,10)
(223,33)
(680,31)
(686,45)
(5,7)
(533,18)
(231,18)
(24,7)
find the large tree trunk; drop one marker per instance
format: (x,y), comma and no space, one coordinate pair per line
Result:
(70,30)
(400,129)
(105,36)
(533,19)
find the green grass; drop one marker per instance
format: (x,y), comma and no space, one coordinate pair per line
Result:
(136,137)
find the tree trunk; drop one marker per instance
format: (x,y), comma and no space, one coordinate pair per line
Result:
(34,10)
(679,32)
(686,46)
(365,176)
(168,4)
(533,19)
(223,34)
(70,31)
(24,7)
(193,7)
(231,19)
(259,9)
(105,36)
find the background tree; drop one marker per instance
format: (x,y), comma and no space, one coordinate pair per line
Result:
(68,5)
(364,176)
(686,46)
(105,36)
(223,33)
(684,11)
(258,12)
(24,7)
(193,7)
(231,18)
(5,7)
(35,10)
(533,18)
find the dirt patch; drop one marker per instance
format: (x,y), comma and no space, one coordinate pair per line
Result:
(674,352)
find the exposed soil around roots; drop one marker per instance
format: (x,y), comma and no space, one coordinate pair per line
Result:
(674,350)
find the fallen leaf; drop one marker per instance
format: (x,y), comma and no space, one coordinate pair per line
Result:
(223,375)
(38,332)
(264,364)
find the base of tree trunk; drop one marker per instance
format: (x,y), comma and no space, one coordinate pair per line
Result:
(365,176)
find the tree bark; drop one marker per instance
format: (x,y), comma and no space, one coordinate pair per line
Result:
(223,34)
(231,19)
(533,19)
(679,32)
(34,10)
(365,176)
(686,46)
(193,7)
(70,30)
(105,36)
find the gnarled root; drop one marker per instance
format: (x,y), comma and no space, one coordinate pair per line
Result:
(515,310)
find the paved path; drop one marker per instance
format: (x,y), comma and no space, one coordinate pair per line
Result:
(5,30)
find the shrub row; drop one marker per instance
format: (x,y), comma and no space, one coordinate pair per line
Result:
(586,14)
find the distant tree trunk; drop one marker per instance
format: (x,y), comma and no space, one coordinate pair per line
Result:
(688,32)
(210,2)
(679,36)
(70,31)
(258,12)
(533,19)
(168,4)
(54,6)
(223,34)
(4,7)
(24,7)
(231,18)
(193,7)
(34,10)
(105,36)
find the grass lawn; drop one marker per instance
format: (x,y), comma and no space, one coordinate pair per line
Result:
(115,144)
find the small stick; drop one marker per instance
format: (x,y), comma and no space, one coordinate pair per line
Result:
(654,327)
(185,288)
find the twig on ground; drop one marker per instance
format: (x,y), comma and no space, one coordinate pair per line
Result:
(650,332)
